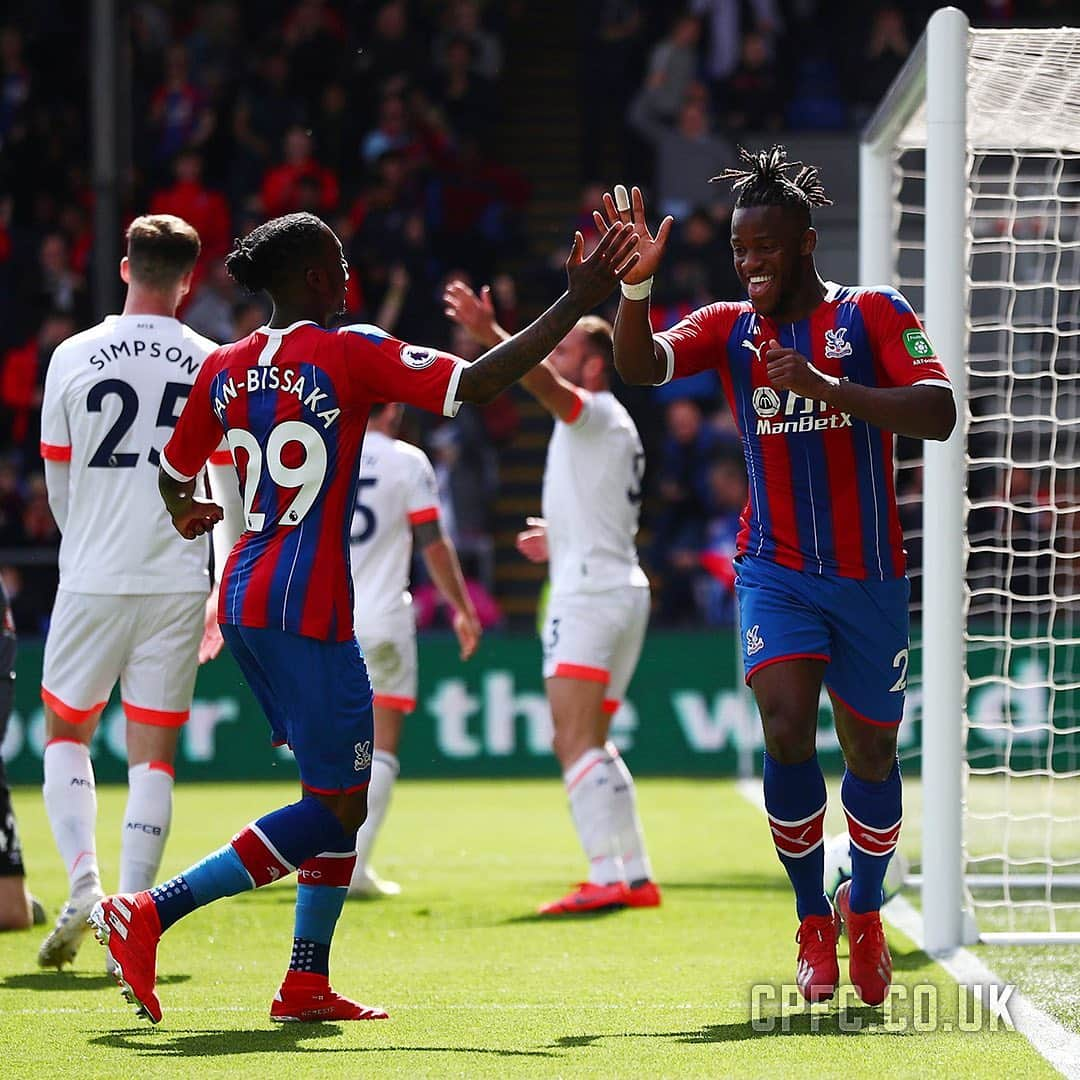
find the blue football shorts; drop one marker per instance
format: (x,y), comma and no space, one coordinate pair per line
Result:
(317,697)
(858,627)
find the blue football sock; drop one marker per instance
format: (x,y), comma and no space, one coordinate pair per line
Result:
(265,851)
(795,803)
(220,874)
(874,813)
(320,896)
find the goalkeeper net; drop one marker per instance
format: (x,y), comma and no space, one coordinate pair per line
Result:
(1021,533)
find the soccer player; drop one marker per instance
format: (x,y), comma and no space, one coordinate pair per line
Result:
(132,594)
(599,599)
(397,506)
(293,400)
(818,377)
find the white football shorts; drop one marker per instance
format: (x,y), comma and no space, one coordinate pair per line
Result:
(149,642)
(389,646)
(596,637)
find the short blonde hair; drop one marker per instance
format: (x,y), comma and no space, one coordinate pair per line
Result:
(161,249)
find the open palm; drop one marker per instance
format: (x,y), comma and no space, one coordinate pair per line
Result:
(650,248)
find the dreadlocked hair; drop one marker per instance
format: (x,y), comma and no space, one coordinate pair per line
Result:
(269,254)
(767,180)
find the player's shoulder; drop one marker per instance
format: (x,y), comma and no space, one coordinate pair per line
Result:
(412,455)
(369,332)
(84,342)
(718,317)
(197,342)
(878,299)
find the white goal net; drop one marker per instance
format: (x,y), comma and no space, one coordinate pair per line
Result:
(1021,488)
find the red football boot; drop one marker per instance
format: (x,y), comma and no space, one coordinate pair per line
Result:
(588,897)
(647,894)
(818,971)
(306,996)
(129,927)
(869,960)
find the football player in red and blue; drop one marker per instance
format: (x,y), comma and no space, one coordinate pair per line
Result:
(292,400)
(818,377)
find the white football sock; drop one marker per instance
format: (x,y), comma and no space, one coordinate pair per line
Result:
(590,784)
(71,806)
(636,864)
(147,817)
(384,771)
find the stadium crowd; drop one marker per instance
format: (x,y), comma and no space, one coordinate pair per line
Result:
(383,117)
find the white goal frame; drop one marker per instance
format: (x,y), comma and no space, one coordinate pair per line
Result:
(935,77)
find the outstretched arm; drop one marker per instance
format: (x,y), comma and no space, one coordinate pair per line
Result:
(476,314)
(638,359)
(440,558)
(590,281)
(921,412)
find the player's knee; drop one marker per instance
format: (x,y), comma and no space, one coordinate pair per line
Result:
(789,738)
(872,758)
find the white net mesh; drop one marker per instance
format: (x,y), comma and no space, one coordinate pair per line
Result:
(1022,790)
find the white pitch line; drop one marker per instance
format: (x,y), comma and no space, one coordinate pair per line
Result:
(1050,1039)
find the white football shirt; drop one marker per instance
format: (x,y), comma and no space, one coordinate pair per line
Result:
(397,490)
(592,498)
(112,396)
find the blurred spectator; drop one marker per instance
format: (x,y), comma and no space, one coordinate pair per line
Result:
(22,383)
(673,66)
(727,497)
(687,155)
(179,116)
(314,38)
(878,63)
(462,22)
(205,210)
(611,45)
(210,312)
(726,29)
(283,185)
(754,97)
(56,286)
(265,109)
(391,134)
(334,129)
(466,96)
(14,80)
(683,501)
(391,58)
(699,264)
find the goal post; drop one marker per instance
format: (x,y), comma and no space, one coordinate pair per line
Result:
(970,204)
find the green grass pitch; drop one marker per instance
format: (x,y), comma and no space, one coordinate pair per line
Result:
(475,985)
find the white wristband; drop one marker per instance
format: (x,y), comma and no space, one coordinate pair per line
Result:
(640,291)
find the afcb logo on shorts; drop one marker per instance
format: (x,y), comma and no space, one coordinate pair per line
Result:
(363,756)
(754,641)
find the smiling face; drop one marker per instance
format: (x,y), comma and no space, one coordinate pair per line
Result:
(773,252)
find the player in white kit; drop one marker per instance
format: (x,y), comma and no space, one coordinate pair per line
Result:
(397,506)
(132,600)
(598,605)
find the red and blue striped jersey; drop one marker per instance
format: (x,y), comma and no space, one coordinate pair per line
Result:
(293,404)
(820,482)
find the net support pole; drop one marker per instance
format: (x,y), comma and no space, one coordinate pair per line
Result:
(943,589)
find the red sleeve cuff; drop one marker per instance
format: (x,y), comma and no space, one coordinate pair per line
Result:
(420,517)
(55,453)
(575,409)
(221,457)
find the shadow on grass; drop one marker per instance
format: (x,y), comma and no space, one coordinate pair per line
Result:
(562,920)
(742,883)
(193,1043)
(840,1022)
(72,980)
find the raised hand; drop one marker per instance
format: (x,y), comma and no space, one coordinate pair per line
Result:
(650,248)
(593,279)
(475,314)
